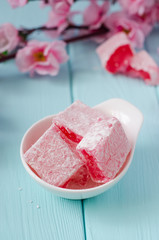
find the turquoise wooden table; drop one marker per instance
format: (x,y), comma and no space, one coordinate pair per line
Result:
(130,210)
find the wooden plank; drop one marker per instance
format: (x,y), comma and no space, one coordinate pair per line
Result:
(130,209)
(24,100)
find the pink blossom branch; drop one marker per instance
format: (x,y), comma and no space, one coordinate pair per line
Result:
(25,32)
(47,1)
(102,30)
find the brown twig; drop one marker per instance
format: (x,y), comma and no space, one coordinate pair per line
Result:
(100,31)
(8,57)
(26,32)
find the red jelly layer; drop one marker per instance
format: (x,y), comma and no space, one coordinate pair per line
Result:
(118,58)
(95,173)
(69,134)
(34,171)
(144,75)
(139,73)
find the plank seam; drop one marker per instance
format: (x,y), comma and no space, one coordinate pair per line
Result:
(84,222)
(70,76)
(72,100)
(156,94)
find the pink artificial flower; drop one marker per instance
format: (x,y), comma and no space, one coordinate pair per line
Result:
(59,15)
(17,3)
(139,7)
(41,57)
(157,11)
(9,38)
(57,4)
(135,30)
(94,15)
(152,15)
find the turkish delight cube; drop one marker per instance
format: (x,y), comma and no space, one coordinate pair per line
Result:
(115,53)
(105,148)
(53,158)
(76,120)
(142,65)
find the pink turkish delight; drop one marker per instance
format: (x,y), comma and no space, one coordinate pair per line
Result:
(115,53)
(74,184)
(105,148)
(142,65)
(76,120)
(79,180)
(83,148)
(54,159)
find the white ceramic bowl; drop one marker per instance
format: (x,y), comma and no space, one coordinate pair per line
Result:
(131,119)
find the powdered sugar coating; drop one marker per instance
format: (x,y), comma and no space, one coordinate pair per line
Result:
(53,158)
(76,183)
(79,180)
(105,148)
(78,118)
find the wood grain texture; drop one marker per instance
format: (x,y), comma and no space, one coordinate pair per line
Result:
(24,100)
(127,211)
(130,209)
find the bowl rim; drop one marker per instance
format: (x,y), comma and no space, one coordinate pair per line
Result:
(65,190)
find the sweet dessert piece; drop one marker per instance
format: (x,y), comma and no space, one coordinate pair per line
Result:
(142,65)
(79,180)
(75,184)
(115,53)
(81,149)
(76,120)
(54,159)
(105,148)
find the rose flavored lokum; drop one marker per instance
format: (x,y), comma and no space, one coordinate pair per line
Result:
(81,149)
(81,180)
(115,53)
(54,159)
(76,120)
(105,148)
(143,66)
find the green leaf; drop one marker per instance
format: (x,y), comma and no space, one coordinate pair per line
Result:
(5,53)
